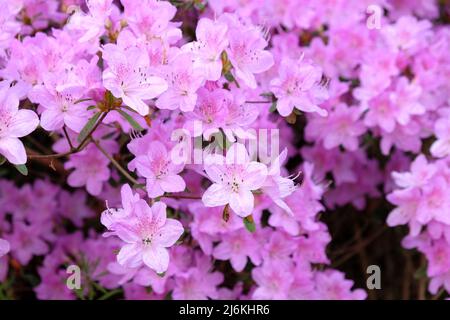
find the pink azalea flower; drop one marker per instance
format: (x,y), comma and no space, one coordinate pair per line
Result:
(128,76)
(147,234)
(111,216)
(4,247)
(197,283)
(210,111)
(343,128)
(276,186)
(184,81)
(14,124)
(161,174)
(92,24)
(406,99)
(332,285)
(407,202)
(407,32)
(9,26)
(90,170)
(438,255)
(61,107)
(26,242)
(298,85)
(246,53)
(151,18)
(441,147)
(273,280)
(234,178)
(236,247)
(421,173)
(435,201)
(207,50)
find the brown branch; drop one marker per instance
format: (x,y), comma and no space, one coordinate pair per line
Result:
(79,148)
(181,196)
(116,164)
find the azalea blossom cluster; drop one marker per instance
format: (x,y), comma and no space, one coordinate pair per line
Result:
(99,99)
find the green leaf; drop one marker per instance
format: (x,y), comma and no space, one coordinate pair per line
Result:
(136,126)
(22,169)
(421,272)
(273,107)
(88,127)
(82,100)
(2,160)
(110,294)
(229,77)
(249,224)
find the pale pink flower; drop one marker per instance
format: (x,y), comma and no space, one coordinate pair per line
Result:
(184,81)
(111,216)
(91,25)
(128,76)
(299,85)
(234,178)
(276,186)
(90,170)
(435,201)
(14,124)
(421,173)
(246,53)
(207,50)
(344,127)
(273,280)
(407,32)
(441,147)
(197,283)
(332,285)
(147,233)
(61,107)
(161,174)
(237,246)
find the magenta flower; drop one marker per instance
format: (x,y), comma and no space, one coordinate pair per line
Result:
(147,234)
(14,124)
(161,174)
(4,247)
(26,242)
(234,178)
(128,76)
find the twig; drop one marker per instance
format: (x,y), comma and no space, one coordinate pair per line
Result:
(68,138)
(79,148)
(181,196)
(258,102)
(116,164)
(355,249)
(406,291)
(421,292)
